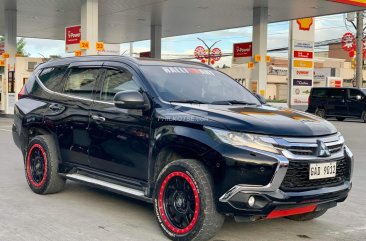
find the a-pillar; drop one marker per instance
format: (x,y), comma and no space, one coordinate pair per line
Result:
(10,32)
(260,22)
(156,41)
(89,24)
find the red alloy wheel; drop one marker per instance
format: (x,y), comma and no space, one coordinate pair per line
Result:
(179,203)
(37,166)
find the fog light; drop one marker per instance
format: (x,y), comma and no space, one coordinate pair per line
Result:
(251,201)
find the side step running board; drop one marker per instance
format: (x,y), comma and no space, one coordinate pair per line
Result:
(109,186)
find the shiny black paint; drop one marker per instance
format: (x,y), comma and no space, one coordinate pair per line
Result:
(132,144)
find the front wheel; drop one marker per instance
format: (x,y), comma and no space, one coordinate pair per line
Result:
(307,216)
(184,202)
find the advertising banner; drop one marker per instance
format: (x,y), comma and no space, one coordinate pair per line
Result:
(242,52)
(72,38)
(301,61)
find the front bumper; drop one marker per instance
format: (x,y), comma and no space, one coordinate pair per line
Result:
(271,197)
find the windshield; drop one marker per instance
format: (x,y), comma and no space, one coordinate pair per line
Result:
(197,85)
(364,91)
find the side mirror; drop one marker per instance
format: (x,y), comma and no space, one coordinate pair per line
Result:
(133,100)
(261,99)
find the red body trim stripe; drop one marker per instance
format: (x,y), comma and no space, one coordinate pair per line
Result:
(289,212)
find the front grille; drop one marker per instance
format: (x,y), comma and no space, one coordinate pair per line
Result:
(297,176)
(311,151)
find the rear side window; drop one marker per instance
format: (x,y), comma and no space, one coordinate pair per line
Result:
(52,78)
(336,93)
(81,82)
(319,93)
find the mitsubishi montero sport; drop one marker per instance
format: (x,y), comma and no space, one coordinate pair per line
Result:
(180,135)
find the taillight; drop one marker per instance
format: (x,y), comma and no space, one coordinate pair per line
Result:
(23,92)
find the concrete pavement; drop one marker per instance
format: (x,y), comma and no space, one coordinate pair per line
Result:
(84,213)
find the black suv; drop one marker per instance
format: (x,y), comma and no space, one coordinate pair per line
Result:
(341,103)
(180,135)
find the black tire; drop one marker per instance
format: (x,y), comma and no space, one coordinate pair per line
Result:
(364,116)
(321,113)
(340,118)
(307,216)
(41,166)
(197,188)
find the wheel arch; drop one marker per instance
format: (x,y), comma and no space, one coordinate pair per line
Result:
(174,143)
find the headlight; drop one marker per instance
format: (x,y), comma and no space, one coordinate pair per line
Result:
(238,139)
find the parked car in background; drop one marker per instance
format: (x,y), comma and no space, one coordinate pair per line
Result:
(180,135)
(340,103)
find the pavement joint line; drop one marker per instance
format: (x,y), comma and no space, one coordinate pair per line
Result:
(5,130)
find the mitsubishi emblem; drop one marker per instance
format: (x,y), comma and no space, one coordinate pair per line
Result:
(322,149)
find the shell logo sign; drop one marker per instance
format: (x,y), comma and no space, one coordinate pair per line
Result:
(305,23)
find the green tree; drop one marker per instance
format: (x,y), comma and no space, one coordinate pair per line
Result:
(20,46)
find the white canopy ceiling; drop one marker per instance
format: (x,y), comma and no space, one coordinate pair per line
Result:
(129,20)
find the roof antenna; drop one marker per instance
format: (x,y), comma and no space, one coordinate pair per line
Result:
(44,60)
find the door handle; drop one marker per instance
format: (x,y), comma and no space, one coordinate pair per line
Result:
(98,118)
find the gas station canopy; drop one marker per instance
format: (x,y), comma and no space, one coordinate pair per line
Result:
(130,20)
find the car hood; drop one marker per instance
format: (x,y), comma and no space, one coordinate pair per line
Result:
(263,119)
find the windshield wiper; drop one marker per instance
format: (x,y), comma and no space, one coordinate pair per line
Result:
(189,101)
(232,102)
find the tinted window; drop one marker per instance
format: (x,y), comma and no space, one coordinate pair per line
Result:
(354,93)
(319,93)
(116,81)
(196,84)
(81,82)
(336,93)
(52,78)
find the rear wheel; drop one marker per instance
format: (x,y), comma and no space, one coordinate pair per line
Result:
(340,118)
(321,113)
(41,166)
(184,202)
(307,216)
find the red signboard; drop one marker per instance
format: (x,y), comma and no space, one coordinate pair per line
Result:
(145,54)
(73,35)
(242,50)
(303,54)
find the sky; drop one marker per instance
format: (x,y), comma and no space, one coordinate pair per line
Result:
(326,28)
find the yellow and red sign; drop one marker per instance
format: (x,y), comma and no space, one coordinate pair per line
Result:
(268,59)
(77,53)
(305,23)
(257,58)
(250,65)
(99,46)
(2,62)
(84,44)
(303,64)
(361,3)
(5,55)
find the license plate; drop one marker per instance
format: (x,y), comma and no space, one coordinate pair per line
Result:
(322,170)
